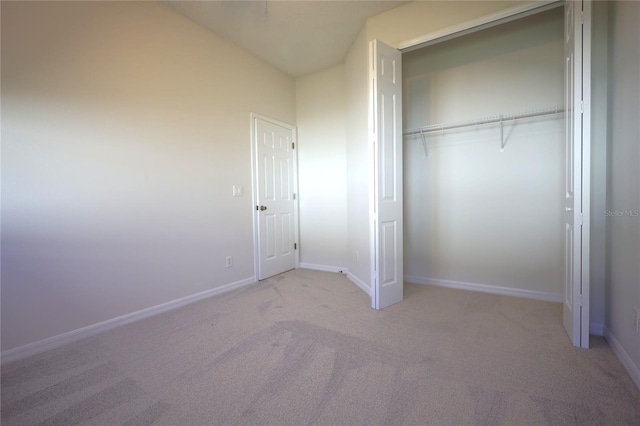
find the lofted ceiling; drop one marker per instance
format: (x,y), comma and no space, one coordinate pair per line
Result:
(298,37)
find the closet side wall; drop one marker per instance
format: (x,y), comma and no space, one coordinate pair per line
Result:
(358,167)
(476,216)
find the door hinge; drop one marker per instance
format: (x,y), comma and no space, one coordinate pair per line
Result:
(294,195)
(581,221)
(580,300)
(293,145)
(581,107)
(295,246)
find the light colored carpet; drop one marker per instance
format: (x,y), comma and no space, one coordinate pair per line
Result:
(306,348)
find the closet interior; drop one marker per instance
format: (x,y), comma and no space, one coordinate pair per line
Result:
(484,161)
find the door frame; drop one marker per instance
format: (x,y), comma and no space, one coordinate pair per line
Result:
(517,12)
(254,190)
(478,24)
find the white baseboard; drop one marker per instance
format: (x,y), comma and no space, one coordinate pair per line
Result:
(326,268)
(357,281)
(596,329)
(54,342)
(485,288)
(623,356)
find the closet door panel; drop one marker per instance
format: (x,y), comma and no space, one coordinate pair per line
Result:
(385,129)
(577,103)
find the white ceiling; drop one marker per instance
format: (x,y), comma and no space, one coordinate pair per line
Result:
(299,37)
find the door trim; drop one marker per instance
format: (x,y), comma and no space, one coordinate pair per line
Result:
(586,173)
(254,190)
(477,24)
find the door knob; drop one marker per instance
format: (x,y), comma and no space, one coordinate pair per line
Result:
(263,208)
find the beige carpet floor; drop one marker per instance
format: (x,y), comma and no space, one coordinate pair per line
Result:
(305,348)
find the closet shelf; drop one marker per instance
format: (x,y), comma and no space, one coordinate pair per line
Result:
(501,118)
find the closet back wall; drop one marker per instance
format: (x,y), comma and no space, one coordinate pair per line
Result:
(476,216)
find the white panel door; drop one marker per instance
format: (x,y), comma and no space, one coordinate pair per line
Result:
(385,127)
(577,141)
(275,205)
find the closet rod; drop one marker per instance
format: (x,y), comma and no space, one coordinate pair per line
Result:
(432,128)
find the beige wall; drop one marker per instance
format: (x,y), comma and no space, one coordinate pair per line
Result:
(124,127)
(321,118)
(623,184)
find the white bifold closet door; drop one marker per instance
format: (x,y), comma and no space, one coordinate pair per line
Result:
(386,211)
(385,132)
(577,27)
